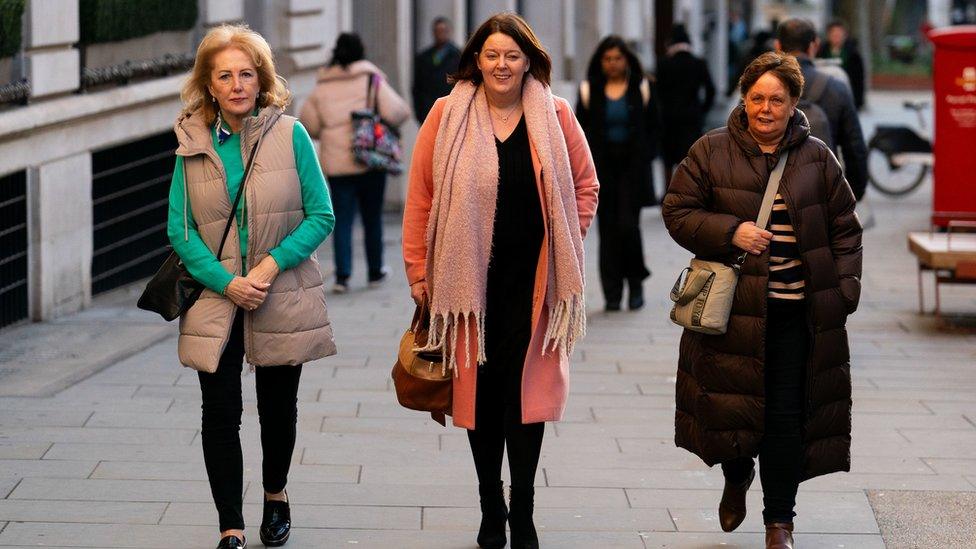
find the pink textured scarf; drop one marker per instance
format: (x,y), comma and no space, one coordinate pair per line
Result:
(462,214)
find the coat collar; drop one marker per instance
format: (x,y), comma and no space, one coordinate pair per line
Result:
(193,132)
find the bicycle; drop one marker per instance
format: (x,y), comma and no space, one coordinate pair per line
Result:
(898,156)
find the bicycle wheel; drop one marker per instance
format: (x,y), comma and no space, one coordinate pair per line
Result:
(890,179)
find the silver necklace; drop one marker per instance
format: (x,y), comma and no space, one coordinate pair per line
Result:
(507,116)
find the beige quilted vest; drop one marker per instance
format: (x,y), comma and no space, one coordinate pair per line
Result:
(292,325)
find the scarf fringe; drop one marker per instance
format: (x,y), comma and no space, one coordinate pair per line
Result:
(443,337)
(567,325)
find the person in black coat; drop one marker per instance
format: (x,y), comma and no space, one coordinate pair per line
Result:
(617,109)
(431,68)
(798,37)
(686,95)
(839,46)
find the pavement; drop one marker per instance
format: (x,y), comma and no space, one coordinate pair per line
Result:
(100,445)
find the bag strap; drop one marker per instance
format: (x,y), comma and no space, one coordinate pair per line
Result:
(772,187)
(240,192)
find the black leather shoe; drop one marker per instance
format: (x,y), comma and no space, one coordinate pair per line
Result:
(491,535)
(612,306)
(520,512)
(732,509)
(635,298)
(276,524)
(232,542)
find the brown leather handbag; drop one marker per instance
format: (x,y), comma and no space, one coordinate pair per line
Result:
(421,381)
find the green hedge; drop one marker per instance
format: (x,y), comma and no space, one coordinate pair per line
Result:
(114,20)
(11,17)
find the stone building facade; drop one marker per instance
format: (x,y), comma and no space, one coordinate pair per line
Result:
(59,141)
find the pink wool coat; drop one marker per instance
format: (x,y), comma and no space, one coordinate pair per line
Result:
(545,379)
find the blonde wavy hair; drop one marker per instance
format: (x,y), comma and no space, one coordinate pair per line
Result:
(196,96)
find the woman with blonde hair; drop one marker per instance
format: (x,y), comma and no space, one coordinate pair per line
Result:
(243,165)
(502,189)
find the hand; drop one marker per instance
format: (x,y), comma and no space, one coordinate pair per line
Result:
(265,272)
(419,291)
(750,238)
(246,293)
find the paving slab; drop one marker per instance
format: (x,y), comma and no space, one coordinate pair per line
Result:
(910,519)
(95,512)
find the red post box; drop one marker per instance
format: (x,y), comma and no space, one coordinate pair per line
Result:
(954,87)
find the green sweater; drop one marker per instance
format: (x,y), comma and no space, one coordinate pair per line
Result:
(293,249)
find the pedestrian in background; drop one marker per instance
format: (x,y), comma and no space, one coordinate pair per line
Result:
(502,189)
(777,384)
(840,46)
(619,114)
(233,104)
(687,94)
(432,67)
(342,88)
(797,37)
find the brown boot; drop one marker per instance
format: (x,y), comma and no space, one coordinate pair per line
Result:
(732,509)
(779,535)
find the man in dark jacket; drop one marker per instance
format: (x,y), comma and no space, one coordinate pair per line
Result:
(839,46)
(432,67)
(686,94)
(797,37)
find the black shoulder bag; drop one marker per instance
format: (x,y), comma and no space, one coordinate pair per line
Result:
(172,291)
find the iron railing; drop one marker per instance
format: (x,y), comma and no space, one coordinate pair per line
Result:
(14,285)
(130,190)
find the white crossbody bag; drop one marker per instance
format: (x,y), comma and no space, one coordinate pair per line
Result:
(703,293)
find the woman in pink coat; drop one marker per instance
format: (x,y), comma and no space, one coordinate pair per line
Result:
(502,189)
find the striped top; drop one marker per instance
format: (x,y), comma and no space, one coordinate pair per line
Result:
(785,266)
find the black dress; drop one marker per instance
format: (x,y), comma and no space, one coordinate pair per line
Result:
(516,243)
(515,246)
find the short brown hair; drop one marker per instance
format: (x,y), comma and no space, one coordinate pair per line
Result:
(783,66)
(195,95)
(540,64)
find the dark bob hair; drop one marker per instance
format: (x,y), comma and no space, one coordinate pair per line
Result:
(594,72)
(540,64)
(783,66)
(348,49)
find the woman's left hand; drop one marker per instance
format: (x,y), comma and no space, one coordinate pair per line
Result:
(266,271)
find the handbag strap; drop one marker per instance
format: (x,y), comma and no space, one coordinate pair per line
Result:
(372,93)
(240,192)
(772,187)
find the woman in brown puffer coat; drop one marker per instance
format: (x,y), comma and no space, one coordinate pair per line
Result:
(777,384)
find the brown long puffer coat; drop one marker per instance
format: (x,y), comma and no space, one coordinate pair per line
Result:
(720,383)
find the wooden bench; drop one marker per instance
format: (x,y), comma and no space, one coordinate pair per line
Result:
(950,255)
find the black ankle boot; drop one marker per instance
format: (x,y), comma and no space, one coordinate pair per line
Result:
(276,523)
(521,507)
(491,535)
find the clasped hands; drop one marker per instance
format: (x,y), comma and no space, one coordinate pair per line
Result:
(750,238)
(249,292)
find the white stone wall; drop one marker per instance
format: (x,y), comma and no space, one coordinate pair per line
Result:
(60,241)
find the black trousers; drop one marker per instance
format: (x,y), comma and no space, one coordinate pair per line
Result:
(618,213)
(781,449)
(498,398)
(277,392)
(498,422)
